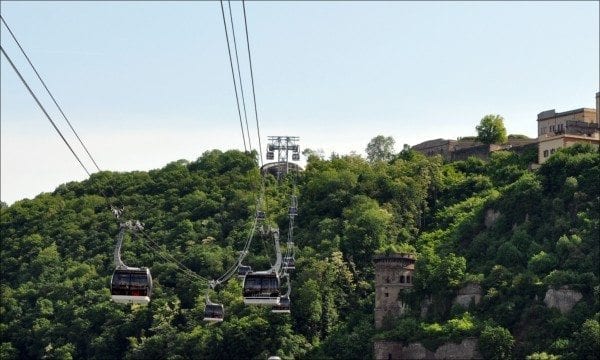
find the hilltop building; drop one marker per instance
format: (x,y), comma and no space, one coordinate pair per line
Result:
(564,129)
(278,169)
(462,149)
(555,131)
(393,274)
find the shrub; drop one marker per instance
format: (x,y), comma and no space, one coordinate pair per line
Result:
(542,263)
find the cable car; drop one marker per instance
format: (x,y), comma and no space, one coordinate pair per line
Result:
(283,307)
(260,215)
(293,211)
(270,155)
(289,263)
(261,288)
(243,270)
(131,285)
(295,157)
(214,312)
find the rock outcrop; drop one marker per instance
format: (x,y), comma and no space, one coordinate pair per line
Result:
(491,216)
(466,349)
(563,299)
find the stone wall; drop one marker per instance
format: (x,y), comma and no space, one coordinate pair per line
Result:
(470,293)
(466,349)
(481,151)
(387,350)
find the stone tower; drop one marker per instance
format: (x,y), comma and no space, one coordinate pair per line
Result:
(393,274)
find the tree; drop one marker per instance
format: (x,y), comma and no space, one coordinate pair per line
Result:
(588,340)
(491,130)
(380,148)
(496,343)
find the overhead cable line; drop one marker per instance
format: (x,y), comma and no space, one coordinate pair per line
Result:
(184,270)
(237,61)
(190,274)
(59,108)
(237,100)
(44,110)
(252,80)
(49,92)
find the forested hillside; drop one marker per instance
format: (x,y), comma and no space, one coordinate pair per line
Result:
(57,258)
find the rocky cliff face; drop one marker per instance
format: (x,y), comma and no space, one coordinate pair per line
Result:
(563,299)
(391,350)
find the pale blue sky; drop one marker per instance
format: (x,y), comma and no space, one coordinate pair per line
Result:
(146,83)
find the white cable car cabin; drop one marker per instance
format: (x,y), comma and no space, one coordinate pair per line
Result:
(261,288)
(129,285)
(214,312)
(243,270)
(289,263)
(283,307)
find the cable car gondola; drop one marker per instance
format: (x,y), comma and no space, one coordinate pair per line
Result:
(131,285)
(261,288)
(289,263)
(283,307)
(243,270)
(214,312)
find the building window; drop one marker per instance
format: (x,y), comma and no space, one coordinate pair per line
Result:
(386,294)
(408,279)
(387,279)
(401,279)
(545,153)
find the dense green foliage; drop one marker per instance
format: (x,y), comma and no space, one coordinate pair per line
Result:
(56,258)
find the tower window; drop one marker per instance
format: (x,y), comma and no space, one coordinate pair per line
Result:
(401,279)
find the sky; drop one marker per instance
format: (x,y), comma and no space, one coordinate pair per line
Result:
(147,83)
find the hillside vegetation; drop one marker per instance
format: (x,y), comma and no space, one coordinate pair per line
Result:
(56,258)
